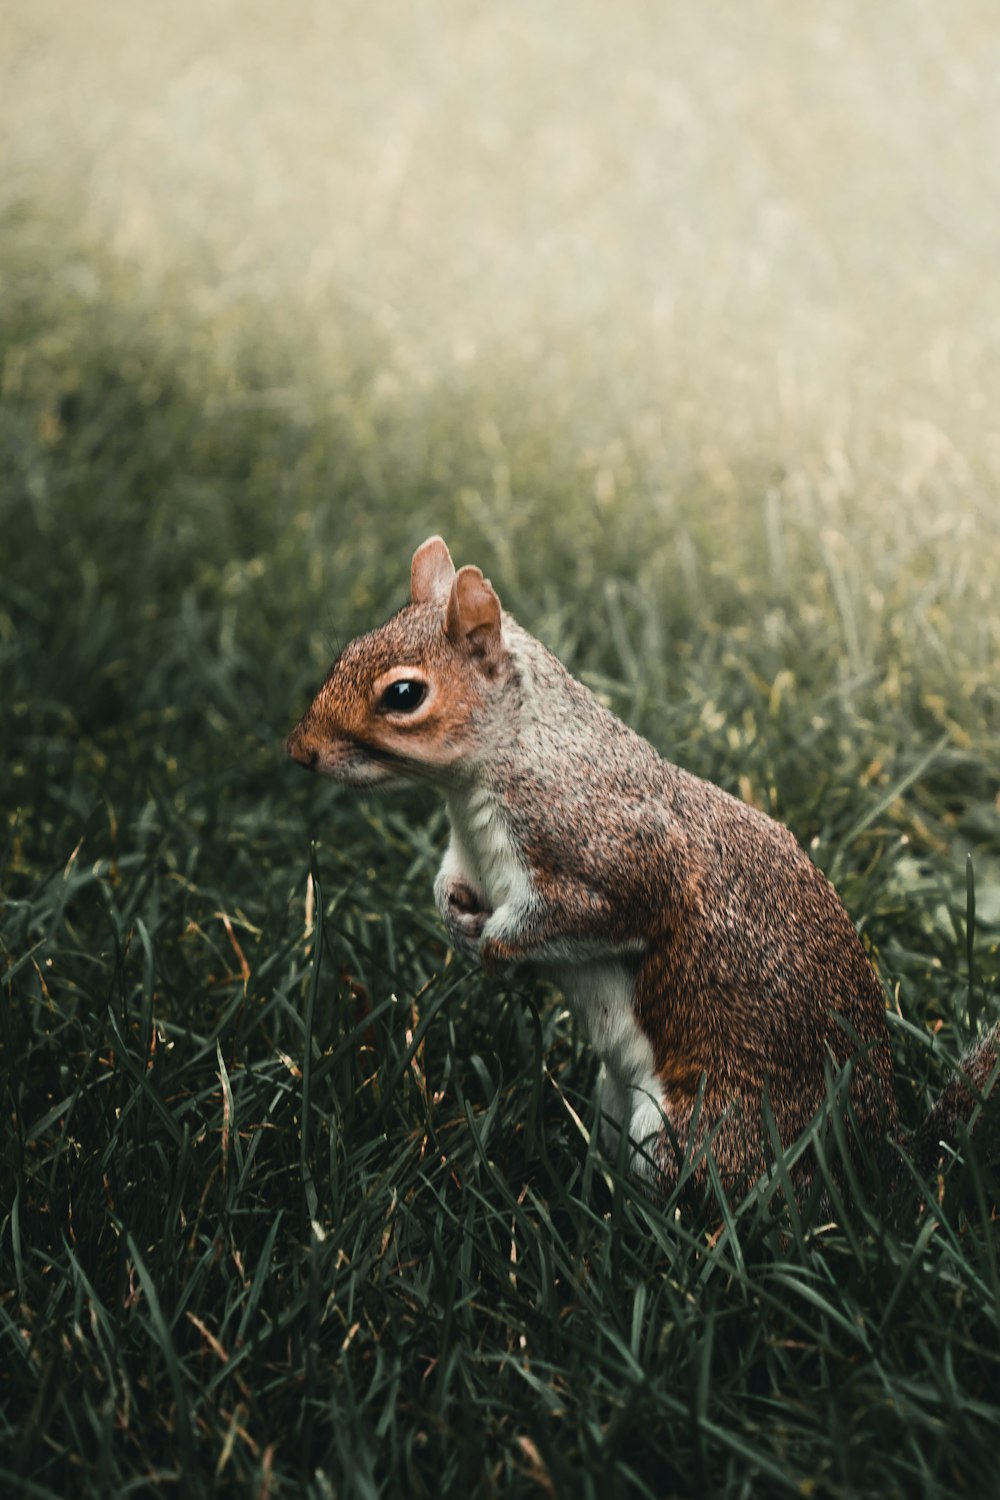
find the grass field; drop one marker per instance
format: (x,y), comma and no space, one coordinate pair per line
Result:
(686,327)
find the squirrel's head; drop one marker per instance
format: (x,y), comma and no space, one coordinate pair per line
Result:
(415,698)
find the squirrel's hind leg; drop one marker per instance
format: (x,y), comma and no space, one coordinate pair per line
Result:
(612,1100)
(649,1154)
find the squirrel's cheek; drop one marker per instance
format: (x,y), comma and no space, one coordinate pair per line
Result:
(436,742)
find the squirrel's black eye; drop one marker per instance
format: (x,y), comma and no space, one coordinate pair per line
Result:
(403,696)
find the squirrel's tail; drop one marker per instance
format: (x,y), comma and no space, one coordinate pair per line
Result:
(978,1076)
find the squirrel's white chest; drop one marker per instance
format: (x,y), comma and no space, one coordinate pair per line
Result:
(482,850)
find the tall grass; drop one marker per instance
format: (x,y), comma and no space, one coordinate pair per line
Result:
(295,1202)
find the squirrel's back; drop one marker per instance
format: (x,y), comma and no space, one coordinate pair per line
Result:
(751,974)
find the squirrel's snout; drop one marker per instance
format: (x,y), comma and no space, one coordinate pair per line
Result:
(301,749)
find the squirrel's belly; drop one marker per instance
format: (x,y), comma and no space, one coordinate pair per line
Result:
(603,993)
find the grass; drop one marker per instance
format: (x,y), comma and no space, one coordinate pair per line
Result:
(294,1202)
(291,1201)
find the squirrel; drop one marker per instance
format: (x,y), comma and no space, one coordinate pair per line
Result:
(709,958)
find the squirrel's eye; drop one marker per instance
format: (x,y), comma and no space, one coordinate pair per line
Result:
(403,696)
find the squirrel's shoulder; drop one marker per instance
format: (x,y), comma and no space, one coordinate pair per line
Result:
(575,763)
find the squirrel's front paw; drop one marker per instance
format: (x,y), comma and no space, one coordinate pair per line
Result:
(464,916)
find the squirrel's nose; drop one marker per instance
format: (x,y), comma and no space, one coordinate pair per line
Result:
(302,749)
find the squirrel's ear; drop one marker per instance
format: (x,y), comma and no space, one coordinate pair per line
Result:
(432,572)
(473,614)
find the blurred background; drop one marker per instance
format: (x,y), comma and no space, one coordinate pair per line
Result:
(662,243)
